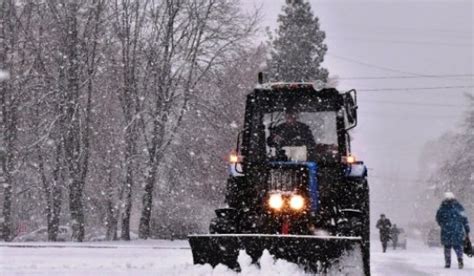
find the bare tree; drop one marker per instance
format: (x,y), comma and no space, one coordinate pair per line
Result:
(78,25)
(44,148)
(129,23)
(188,38)
(106,173)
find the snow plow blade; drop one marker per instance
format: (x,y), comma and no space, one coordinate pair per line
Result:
(313,253)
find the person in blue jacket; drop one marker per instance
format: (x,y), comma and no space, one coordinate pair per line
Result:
(454,227)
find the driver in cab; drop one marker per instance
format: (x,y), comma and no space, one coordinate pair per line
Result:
(292,133)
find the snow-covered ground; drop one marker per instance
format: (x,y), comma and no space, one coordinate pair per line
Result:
(159,257)
(418,259)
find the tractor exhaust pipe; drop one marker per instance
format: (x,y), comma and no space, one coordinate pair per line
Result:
(260,77)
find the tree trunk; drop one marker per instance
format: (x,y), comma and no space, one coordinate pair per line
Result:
(111,232)
(73,147)
(145,219)
(76,209)
(7,205)
(47,195)
(56,196)
(111,215)
(128,184)
(127,202)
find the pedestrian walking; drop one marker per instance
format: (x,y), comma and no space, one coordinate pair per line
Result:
(454,228)
(384,225)
(394,232)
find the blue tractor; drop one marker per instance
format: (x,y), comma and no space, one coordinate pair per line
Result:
(294,188)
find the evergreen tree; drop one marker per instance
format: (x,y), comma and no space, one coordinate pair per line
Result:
(298,49)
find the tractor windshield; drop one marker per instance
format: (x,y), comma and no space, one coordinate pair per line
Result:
(300,136)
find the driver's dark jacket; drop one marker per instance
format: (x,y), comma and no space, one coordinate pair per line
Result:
(295,134)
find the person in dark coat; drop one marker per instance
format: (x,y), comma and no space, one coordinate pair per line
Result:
(384,225)
(292,133)
(454,228)
(394,232)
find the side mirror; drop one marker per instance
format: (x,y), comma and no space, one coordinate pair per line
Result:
(350,106)
(239,137)
(238,157)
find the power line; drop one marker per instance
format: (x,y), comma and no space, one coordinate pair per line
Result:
(404,30)
(447,76)
(415,117)
(384,68)
(373,65)
(414,103)
(415,88)
(402,41)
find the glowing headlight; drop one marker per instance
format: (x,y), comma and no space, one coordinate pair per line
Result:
(296,202)
(234,158)
(275,201)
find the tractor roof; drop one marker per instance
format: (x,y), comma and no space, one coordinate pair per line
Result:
(290,85)
(296,87)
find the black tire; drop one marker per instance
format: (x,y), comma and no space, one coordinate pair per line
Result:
(357,197)
(366,251)
(366,228)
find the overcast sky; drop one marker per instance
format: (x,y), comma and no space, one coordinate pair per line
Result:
(385,45)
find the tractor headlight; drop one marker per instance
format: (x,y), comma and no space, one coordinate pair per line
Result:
(275,201)
(296,202)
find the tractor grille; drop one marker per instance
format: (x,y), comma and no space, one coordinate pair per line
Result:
(287,179)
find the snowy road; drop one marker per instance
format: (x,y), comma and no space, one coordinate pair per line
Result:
(418,259)
(173,258)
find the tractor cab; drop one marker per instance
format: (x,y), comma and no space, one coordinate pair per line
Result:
(295,122)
